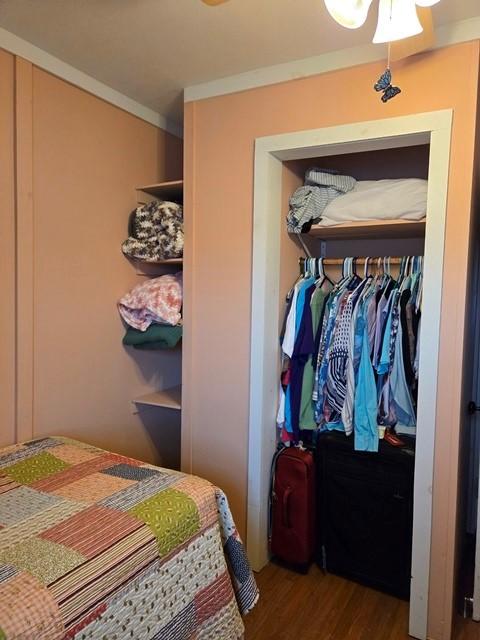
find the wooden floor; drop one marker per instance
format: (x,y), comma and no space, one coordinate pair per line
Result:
(326,607)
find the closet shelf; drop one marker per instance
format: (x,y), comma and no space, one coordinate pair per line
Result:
(167,398)
(171,261)
(163,191)
(369,229)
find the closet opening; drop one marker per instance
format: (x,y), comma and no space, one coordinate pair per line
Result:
(382,490)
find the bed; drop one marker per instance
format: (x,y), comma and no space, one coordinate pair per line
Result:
(95,545)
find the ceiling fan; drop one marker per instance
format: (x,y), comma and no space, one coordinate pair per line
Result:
(397,20)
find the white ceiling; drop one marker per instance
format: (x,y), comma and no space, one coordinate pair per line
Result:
(150,50)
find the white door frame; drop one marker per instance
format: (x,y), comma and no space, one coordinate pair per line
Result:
(270,152)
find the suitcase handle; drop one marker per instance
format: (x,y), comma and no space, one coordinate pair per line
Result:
(285,518)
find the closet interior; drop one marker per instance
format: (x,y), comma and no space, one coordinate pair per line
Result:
(364,481)
(155,233)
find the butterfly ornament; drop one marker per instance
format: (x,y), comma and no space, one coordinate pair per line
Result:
(384,83)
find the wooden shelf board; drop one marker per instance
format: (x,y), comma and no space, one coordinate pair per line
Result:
(369,229)
(167,398)
(164,190)
(172,261)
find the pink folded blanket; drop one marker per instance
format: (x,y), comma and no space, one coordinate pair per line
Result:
(158,300)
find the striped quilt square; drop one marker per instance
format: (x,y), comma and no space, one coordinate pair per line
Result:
(79,590)
(7,571)
(22,451)
(22,503)
(7,484)
(140,491)
(92,488)
(226,623)
(93,530)
(78,627)
(182,626)
(34,525)
(213,597)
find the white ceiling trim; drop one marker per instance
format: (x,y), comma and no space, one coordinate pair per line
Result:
(40,58)
(453,33)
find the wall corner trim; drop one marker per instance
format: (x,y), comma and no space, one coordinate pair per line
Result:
(446,35)
(40,58)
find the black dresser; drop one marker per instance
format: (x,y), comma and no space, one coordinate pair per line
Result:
(365,512)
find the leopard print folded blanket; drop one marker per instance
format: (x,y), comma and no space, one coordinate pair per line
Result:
(155,232)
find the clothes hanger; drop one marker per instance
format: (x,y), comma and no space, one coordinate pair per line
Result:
(324,274)
(365,268)
(353,266)
(345,274)
(403,267)
(406,278)
(350,267)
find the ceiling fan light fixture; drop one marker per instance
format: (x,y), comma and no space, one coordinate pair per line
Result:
(349,13)
(426,3)
(397,19)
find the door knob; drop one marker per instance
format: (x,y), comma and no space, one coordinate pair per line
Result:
(472,408)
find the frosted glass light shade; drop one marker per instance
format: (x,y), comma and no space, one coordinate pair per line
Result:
(397,19)
(349,13)
(426,3)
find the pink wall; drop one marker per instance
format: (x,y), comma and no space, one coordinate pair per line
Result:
(219,148)
(79,160)
(7,251)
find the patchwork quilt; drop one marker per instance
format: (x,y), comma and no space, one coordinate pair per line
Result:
(98,546)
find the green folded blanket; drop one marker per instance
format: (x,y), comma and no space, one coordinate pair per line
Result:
(157,336)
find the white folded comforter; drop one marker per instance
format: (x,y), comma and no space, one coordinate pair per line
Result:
(403,199)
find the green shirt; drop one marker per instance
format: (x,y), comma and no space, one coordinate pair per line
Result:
(307,418)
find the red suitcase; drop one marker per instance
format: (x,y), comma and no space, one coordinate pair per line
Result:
(292,535)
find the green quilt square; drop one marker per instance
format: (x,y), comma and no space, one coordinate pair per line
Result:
(171,515)
(45,560)
(35,468)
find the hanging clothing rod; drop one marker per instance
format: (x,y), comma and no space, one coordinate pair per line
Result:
(340,261)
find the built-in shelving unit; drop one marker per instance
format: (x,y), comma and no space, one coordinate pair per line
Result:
(170,398)
(167,398)
(369,229)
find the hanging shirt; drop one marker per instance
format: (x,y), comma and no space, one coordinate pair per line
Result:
(383,364)
(365,404)
(407,361)
(292,327)
(400,393)
(379,319)
(355,347)
(317,305)
(289,334)
(335,303)
(304,345)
